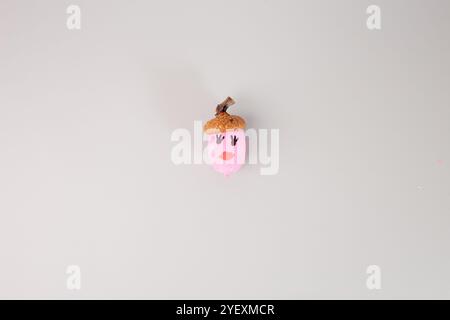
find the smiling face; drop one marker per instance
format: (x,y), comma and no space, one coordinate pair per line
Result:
(226,150)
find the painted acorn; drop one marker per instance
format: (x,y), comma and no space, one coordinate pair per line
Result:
(226,139)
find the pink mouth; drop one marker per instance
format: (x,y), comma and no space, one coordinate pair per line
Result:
(227,155)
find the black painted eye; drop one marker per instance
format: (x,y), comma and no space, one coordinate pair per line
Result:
(234,139)
(219,138)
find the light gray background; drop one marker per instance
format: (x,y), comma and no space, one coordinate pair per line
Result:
(85,170)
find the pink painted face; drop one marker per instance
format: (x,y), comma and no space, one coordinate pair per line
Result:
(226,150)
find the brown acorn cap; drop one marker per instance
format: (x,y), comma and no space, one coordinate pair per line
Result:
(223,120)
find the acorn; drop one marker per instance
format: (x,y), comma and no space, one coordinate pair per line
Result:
(226,139)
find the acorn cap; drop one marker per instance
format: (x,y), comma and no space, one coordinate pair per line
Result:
(223,120)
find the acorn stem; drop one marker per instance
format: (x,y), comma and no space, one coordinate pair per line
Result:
(228,102)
